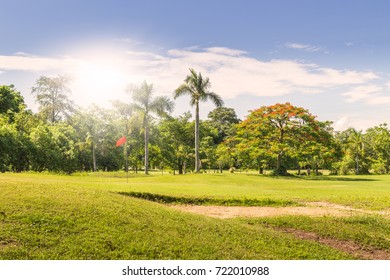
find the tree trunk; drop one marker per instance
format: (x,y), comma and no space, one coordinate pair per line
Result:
(180,167)
(93,157)
(197,137)
(146,145)
(279,161)
(357,165)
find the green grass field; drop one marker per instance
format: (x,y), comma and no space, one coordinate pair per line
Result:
(96,216)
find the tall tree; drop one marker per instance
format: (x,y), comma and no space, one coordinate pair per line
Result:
(145,105)
(281,130)
(197,88)
(52,95)
(357,146)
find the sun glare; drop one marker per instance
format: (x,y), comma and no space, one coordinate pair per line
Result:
(100,80)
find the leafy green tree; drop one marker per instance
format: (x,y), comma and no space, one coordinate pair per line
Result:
(197,88)
(15,144)
(175,141)
(223,120)
(356,157)
(52,95)
(8,136)
(378,142)
(320,149)
(279,130)
(145,105)
(94,127)
(11,101)
(54,148)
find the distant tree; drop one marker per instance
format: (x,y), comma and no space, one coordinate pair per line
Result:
(175,141)
(355,151)
(146,105)
(197,88)
(54,148)
(378,141)
(11,101)
(52,95)
(223,119)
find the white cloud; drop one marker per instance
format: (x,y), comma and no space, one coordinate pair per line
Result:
(128,41)
(362,92)
(341,124)
(357,121)
(371,94)
(33,63)
(225,51)
(232,73)
(303,47)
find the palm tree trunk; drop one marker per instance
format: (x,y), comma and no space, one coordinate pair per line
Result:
(93,157)
(197,137)
(146,146)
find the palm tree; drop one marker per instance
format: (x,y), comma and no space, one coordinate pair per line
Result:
(356,143)
(197,87)
(145,105)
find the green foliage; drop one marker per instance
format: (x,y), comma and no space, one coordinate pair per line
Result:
(145,105)
(280,137)
(11,101)
(223,120)
(52,95)
(281,131)
(54,148)
(176,140)
(15,147)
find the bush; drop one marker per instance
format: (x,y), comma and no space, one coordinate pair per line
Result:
(379,168)
(281,171)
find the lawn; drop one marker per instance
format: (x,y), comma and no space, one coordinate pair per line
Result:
(96,216)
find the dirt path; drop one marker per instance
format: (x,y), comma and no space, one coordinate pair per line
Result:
(314,209)
(350,247)
(310,209)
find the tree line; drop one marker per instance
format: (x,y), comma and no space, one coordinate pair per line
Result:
(62,137)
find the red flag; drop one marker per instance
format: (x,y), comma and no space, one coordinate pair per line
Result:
(121,141)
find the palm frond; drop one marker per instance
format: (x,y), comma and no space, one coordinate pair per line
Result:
(183,89)
(161,106)
(215,98)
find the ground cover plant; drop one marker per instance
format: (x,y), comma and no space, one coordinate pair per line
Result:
(85,216)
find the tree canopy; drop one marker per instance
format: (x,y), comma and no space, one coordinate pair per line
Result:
(280,131)
(52,95)
(280,137)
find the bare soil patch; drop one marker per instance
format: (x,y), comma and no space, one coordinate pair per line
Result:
(350,247)
(314,209)
(7,243)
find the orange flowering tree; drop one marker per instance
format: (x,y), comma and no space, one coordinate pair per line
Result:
(271,133)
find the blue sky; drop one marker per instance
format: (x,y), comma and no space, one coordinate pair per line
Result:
(330,57)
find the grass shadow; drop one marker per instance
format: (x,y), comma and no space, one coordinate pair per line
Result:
(317,178)
(166,199)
